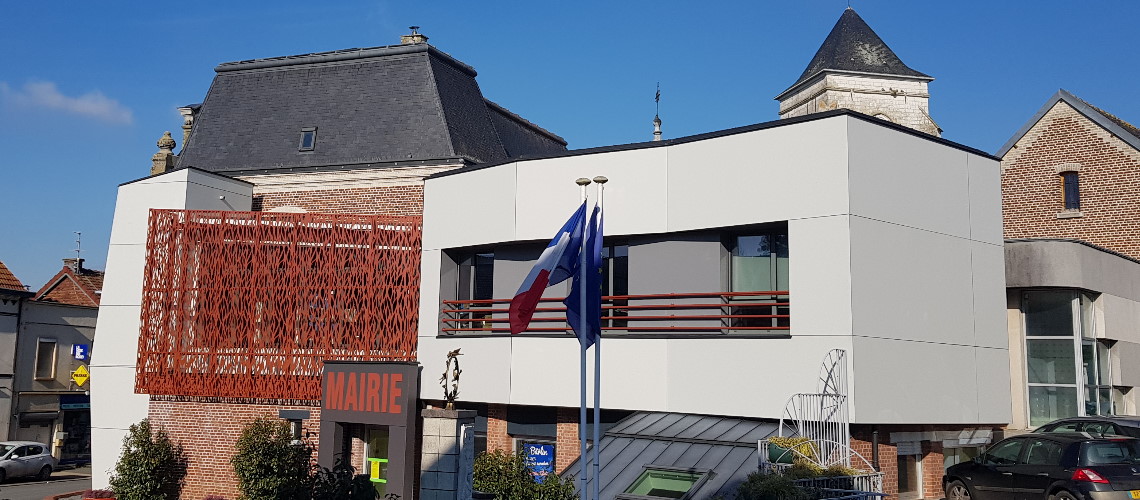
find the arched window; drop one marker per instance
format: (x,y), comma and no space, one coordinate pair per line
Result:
(1070,190)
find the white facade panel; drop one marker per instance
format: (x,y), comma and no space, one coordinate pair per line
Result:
(774,174)
(908,180)
(745,377)
(430,263)
(992,372)
(545,372)
(116,350)
(134,201)
(1118,318)
(819,275)
(486,365)
(911,284)
(906,382)
(461,206)
(124,275)
(985,200)
(635,194)
(987,263)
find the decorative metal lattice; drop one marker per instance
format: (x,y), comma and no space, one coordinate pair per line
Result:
(249,304)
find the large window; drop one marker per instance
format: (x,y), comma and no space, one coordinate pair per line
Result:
(615,281)
(759,263)
(476,281)
(1067,369)
(45,359)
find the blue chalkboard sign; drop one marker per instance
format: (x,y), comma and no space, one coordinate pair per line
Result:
(540,459)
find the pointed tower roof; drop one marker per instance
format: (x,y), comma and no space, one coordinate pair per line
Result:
(853,47)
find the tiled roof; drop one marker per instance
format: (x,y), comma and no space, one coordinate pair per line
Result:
(852,46)
(381,104)
(8,281)
(82,288)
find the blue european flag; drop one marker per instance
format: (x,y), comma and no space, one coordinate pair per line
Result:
(592,277)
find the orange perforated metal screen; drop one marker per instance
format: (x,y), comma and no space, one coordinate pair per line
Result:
(248,304)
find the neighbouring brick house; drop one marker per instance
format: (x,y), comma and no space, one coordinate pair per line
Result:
(1071,210)
(294,156)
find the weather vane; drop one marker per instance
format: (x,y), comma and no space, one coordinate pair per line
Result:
(657,98)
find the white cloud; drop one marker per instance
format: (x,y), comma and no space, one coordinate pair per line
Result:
(46,95)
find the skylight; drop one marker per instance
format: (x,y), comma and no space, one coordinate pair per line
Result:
(308,139)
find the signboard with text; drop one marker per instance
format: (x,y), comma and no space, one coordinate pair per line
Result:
(539,459)
(369,393)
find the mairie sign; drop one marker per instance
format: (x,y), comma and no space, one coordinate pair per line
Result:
(80,375)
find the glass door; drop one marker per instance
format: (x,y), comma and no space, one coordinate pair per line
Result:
(376,457)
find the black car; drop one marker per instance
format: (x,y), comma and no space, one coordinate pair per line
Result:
(1115,425)
(1050,466)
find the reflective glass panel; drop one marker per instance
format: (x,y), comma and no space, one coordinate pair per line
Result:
(1049,313)
(1051,403)
(1051,362)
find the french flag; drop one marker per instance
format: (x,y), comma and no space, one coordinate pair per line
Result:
(557,263)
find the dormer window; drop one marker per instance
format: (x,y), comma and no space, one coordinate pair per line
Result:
(308,139)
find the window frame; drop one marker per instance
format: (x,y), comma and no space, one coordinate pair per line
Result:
(1071,190)
(52,363)
(312,143)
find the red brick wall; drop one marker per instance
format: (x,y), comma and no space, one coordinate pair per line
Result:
(861,440)
(933,467)
(497,437)
(568,446)
(1109,183)
(207,433)
(389,200)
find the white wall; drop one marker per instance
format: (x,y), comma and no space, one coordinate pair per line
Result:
(895,239)
(114,404)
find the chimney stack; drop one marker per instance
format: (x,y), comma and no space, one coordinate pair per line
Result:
(414,38)
(76,265)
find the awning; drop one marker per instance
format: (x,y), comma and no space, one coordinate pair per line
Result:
(39,416)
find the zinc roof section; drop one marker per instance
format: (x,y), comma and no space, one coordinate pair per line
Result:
(376,105)
(726,447)
(852,46)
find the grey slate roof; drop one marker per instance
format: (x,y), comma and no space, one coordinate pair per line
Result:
(1122,129)
(725,446)
(853,47)
(374,105)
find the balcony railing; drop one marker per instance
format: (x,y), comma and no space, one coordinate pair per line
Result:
(698,313)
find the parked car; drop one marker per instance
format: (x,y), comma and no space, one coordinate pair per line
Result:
(1120,425)
(1050,466)
(25,458)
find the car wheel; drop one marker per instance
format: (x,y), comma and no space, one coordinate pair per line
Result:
(45,473)
(1063,495)
(956,490)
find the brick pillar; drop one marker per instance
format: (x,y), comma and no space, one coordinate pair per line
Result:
(888,456)
(568,446)
(497,437)
(932,469)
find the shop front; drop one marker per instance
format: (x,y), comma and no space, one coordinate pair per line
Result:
(374,405)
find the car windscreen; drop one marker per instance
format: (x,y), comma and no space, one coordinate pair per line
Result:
(5,448)
(1110,452)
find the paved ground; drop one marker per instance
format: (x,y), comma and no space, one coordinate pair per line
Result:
(63,481)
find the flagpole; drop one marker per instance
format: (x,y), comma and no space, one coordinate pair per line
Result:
(601,181)
(582,182)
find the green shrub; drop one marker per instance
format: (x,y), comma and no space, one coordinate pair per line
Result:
(151,467)
(342,483)
(507,476)
(762,486)
(269,466)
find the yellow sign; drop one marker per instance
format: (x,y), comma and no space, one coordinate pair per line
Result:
(80,375)
(375,471)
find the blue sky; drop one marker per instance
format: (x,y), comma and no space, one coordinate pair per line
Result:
(87,88)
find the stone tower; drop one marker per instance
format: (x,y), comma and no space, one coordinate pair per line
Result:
(854,69)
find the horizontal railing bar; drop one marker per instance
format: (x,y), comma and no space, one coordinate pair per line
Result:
(627,297)
(630,307)
(627,328)
(632,318)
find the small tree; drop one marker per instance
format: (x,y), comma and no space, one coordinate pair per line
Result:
(268,465)
(507,476)
(342,483)
(150,466)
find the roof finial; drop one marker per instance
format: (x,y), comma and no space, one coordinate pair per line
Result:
(657,116)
